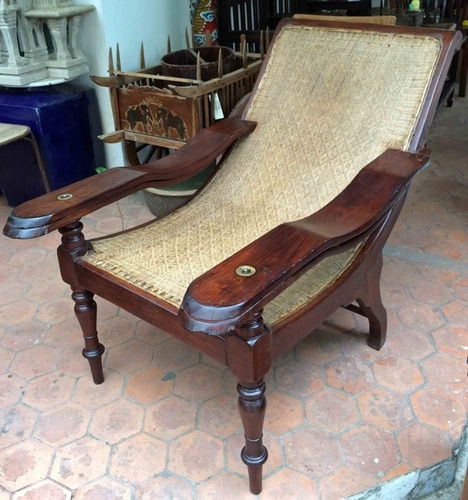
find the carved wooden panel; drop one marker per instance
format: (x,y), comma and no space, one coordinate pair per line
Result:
(151,112)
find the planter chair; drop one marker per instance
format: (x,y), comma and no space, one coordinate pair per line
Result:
(292,225)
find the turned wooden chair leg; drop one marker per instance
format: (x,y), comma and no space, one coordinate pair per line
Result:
(249,353)
(252,405)
(73,246)
(85,310)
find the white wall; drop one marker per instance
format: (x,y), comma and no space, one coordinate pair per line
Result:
(128,23)
(147,21)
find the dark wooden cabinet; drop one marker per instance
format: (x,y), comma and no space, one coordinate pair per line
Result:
(249,17)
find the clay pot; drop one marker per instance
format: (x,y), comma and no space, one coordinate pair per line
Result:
(183,64)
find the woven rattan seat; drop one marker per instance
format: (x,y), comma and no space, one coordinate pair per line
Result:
(316,137)
(309,286)
(291,226)
(288,302)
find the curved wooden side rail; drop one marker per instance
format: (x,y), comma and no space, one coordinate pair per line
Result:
(216,301)
(61,207)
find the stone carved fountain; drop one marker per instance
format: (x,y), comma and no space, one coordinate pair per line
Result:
(38,42)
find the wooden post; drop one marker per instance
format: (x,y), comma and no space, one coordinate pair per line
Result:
(220,63)
(169,44)
(119,65)
(198,72)
(142,57)
(262,44)
(243,43)
(110,69)
(187,39)
(196,54)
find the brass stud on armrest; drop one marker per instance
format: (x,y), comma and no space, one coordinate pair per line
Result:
(245,271)
(64,196)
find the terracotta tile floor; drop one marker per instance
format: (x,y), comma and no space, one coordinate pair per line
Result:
(341,417)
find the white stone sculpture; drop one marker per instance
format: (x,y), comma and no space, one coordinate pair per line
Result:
(38,41)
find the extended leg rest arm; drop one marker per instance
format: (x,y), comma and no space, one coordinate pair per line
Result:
(61,207)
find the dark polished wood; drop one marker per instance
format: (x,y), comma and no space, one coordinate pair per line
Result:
(147,307)
(221,314)
(250,358)
(218,298)
(46,213)
(72,248)
(85,310)
(372,307)
(252,407)
(456,11)
(348,287)
(250,17)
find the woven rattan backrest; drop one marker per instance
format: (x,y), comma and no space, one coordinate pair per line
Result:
(329,101)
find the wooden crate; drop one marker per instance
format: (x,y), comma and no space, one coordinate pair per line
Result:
(165,111)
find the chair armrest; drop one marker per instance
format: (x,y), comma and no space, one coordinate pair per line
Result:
(48,212)
(216,301)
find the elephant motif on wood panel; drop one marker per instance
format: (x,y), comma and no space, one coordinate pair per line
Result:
(169,121)
(139,114)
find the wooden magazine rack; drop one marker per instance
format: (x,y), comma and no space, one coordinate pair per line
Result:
(160,111)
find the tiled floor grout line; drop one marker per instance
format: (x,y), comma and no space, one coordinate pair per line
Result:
(407,411)
(425,258)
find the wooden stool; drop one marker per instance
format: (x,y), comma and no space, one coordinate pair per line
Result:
(11,133)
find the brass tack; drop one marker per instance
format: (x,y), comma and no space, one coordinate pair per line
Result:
(64,197)
(245,271)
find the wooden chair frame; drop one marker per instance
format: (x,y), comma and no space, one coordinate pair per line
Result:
(221,314)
